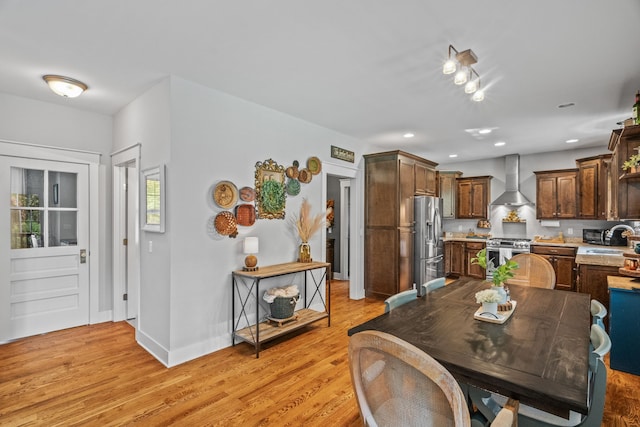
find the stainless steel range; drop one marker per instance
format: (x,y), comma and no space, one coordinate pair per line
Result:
(501,249)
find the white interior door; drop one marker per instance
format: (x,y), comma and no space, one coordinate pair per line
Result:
(44,241)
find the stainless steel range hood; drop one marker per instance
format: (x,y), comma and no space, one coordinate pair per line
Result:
(512,195)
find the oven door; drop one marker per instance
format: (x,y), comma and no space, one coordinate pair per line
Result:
(499,256)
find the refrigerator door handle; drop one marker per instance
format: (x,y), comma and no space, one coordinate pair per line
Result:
(435,260)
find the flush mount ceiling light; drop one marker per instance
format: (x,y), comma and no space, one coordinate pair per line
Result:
(465,72)
(65,86)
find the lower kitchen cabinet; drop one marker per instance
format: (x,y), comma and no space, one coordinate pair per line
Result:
(624,325)
(563,260)
(457,259)
(592,279)
(454,258)
(473,270)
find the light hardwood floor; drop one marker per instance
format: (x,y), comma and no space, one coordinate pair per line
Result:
(97,375)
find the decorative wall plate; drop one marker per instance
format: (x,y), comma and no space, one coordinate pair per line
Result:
(292,172)
(293,187)
(314,165)
(225,224)
(225,194)
(246,215)
(247,194)
(304,176)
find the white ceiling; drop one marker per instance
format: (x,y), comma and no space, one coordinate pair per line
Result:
(366,68)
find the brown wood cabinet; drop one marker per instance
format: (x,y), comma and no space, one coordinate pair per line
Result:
(592,279)
(473,270)
(447,184)
(390,185)
(454,258)
(556,194)
(426,179)
(472,197)
(563,260)
(593,187)
(628,194)
(457,259)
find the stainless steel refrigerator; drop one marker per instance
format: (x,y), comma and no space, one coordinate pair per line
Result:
(428,247)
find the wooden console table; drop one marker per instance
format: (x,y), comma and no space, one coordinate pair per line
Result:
(246,288)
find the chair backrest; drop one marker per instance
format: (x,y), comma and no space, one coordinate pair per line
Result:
(432,285)
(398,299)
(533,270)
(598,311)
(398,384)
(600,341)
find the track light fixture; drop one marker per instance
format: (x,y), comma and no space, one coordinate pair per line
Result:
(466,75)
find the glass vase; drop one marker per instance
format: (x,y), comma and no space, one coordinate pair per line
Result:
(304,252)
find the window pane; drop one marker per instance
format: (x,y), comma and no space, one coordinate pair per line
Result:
(26,229)
(62,190)
(63,230)
(27,187)
(153,199)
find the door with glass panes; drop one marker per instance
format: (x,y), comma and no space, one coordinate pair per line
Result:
(44,230)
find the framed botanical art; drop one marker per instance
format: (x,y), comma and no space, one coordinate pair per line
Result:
(270,190)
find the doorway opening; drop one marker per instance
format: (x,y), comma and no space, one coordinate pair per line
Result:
(126,234)
(340,190)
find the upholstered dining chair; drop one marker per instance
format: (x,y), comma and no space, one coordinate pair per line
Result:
(490,403)
(397,384)
(398,299)
(598,312)
(533,270)
(432,285)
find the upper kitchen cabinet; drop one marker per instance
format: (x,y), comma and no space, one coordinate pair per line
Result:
(390,186)
(628,183)
(472,197)
(447,181)
(593,200)
(556,194)
(426,183)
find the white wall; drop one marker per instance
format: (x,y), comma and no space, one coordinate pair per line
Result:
(36,122)
(212,136)
(147,120)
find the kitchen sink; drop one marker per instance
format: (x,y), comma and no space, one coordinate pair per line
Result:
(585,250)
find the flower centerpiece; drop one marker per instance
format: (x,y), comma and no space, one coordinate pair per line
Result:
(489,298)
(307,225)
(501,273)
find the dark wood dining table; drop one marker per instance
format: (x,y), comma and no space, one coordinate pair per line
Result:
(539,356)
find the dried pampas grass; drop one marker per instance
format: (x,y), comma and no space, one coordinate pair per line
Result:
(307,226)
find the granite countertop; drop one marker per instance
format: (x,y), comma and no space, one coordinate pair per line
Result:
(612,260)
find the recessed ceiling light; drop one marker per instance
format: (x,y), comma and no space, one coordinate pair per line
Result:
(408,135)
(499,143)
(484,131)
(453,155)
(571,141)
(568,104)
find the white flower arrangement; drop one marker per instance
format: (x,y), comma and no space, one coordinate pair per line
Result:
(488,295)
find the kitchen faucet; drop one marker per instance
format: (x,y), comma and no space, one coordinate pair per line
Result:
(615,227)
